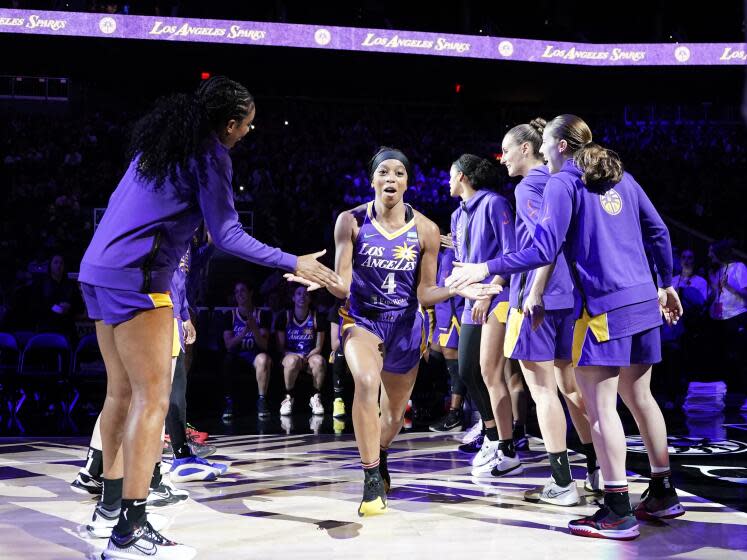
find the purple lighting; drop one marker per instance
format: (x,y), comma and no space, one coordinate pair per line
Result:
(362,40)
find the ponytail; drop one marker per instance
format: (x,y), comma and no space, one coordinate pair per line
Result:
(601,167)
(479,171)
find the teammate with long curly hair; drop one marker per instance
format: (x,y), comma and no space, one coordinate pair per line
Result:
(180,173)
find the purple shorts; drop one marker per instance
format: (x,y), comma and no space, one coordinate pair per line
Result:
(117,306)
(404,338)
(448,323)
(639,348)
(552,340)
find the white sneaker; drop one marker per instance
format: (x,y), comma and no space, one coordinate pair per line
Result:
(473,432)
(286,407)
(594,483)
(191,469)
(316,405)
(103,521)
(166,481)
(488,452)
(146,542)
(552,493)
(504,466)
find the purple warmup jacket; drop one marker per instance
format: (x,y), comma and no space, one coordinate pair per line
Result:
(482,228)
(178,288)
(144,232)
(602,238)
(559,289)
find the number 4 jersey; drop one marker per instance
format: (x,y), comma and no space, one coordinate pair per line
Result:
(385,266)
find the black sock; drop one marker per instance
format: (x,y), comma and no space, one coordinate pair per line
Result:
(291,392)
(492,433)
(95,462)
(561,470)
(371,469)
(507,446)
(520,431)
(131,516)
(111,496)
(617,499)
(661,484)
(183,451)
(155,480)
(591,457)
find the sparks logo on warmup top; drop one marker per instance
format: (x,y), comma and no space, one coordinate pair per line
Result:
(681,445)
(322,37)
(611,202)
(506,48)
(682,54)
(107,25)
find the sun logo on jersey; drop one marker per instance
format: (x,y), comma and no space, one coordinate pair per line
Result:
(611,202)
(404,252)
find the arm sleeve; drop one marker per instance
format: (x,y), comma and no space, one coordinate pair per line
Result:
(184,311)
(216,203)
(656,237)
(502,221)
(528,205)
(549,236)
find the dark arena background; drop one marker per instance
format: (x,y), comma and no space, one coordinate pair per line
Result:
(662,83)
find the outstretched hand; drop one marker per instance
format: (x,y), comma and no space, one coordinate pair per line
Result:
(465,274)
(310,286)
(311,271)
(479,292)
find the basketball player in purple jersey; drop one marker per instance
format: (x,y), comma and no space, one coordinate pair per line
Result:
(601,217)
(179,174)
(386,255)
(300,338)
(542,343)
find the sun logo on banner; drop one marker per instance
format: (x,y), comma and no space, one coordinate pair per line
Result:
(404,252)
(611,202)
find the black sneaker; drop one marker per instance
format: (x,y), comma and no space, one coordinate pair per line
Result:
(201,450)
(86,483)
(606,524)
(164,496)
(452,422)
(384,470)
(145,541)
(263,411)
(473,446)
(374,496)
(663,507)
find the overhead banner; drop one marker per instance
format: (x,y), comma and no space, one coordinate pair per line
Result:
(116,26)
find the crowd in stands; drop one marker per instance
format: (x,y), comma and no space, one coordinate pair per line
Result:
(304,162)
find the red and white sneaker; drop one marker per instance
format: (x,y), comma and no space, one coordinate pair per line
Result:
(606,524)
